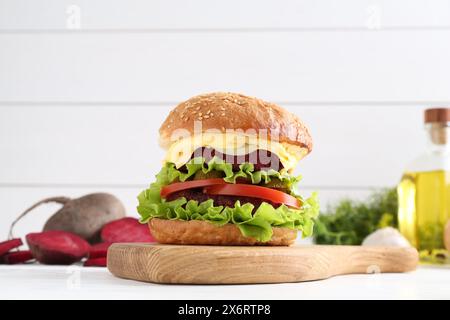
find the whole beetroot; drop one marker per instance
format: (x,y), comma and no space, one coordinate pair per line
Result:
(84,216)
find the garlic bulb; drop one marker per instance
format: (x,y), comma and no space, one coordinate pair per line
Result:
(386,237)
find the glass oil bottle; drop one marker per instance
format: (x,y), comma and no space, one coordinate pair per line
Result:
(424,192)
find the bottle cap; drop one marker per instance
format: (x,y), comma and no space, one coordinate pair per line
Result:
(437,115)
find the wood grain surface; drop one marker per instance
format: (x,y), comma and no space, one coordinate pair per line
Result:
(248,265)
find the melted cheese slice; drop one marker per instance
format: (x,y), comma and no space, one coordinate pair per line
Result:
(181,151)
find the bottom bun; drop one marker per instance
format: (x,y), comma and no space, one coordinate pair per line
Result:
(206,233)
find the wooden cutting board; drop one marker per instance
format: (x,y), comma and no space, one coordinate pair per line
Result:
(244,265)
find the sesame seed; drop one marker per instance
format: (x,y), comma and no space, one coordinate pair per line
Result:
(222,108)
(223,114)
(200,114)
(208,112)
(206,117)
(200,118)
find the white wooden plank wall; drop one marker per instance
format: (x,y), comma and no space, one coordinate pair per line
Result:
(84,86)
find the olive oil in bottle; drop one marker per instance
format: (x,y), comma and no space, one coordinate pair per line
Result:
(424,192)
(424,208)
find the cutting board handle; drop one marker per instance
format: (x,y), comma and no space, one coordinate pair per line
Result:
(359,259)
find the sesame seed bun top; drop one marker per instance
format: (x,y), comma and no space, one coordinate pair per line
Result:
(222,111)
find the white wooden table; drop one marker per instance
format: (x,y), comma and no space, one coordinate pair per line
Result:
(75,282)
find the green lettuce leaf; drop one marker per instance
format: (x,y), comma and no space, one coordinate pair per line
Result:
(246,170)
(257,225)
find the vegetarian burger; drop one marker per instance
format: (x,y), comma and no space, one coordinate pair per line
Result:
(227,175)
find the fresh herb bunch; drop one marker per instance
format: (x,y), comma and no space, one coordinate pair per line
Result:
(349,222)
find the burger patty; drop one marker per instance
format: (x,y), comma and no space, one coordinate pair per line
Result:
(219,200)
(261,159)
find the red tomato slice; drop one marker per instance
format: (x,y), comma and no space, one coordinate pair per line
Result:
(179,186)
(247,190)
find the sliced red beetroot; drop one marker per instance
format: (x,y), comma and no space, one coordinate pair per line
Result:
(17,257)
(126,230)
(8,245)
(97,262)
(57,247)
(99,250)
